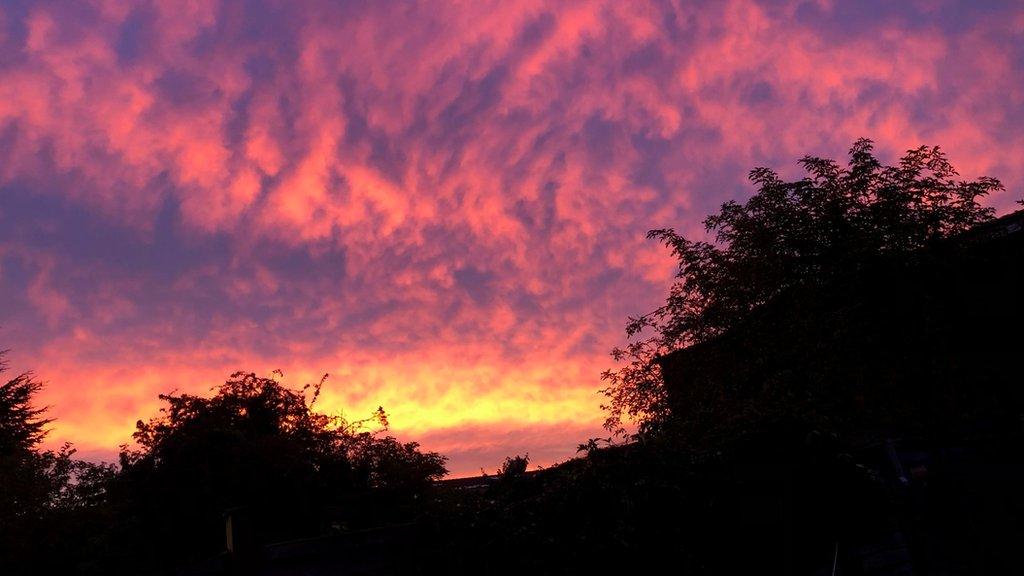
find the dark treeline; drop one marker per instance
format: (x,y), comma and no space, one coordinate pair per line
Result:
(255,450)
(832,387)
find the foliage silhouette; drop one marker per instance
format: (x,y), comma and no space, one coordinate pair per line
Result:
(514,467)
(259,447)
(787,234)
(46,496)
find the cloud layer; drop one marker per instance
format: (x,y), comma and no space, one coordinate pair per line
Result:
(442,205)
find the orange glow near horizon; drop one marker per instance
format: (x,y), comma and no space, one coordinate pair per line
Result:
(445,404)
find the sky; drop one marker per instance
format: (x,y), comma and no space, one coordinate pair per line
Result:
(440,204)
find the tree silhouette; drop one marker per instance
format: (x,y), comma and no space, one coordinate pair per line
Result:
(788,233)
(46,496)
(25,474)
(257,447)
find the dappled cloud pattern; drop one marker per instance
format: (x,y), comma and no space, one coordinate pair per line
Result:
(443,205)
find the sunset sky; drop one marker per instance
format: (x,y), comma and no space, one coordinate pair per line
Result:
(441,204)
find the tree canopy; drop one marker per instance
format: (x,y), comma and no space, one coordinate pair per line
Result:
(260,446)
(788,233)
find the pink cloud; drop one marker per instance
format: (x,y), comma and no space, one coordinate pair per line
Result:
(443,203)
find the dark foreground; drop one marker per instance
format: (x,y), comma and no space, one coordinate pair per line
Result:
(871,427)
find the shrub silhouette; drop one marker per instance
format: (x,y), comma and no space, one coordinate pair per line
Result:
(514,467)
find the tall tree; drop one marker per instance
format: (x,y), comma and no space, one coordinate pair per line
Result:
(788,233)
(45,495)
(24,471)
